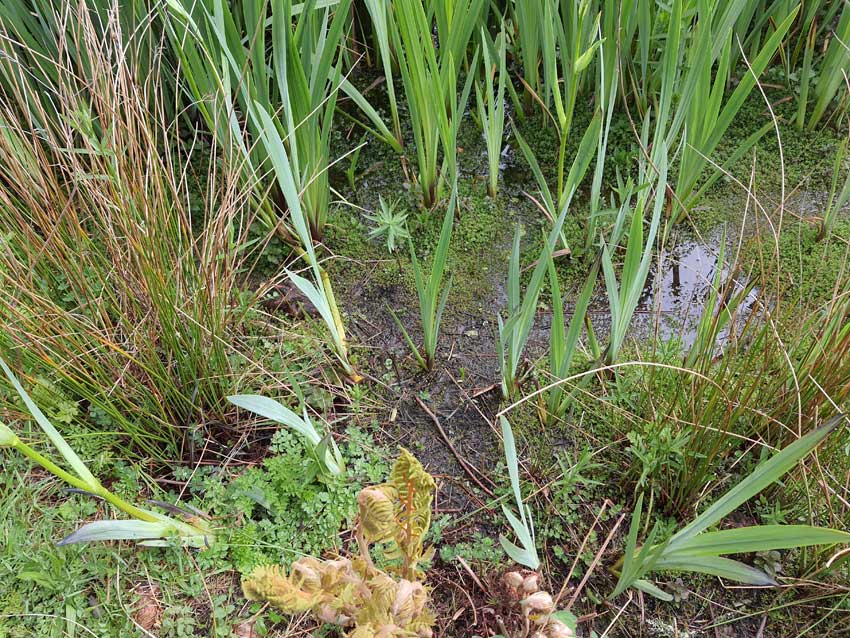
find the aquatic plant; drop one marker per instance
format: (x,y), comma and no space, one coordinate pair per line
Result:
(430,79)
(624,295)
(563,343)
(431,292)
(527,23)
(49,41)
(491,106)
(219,68)
(722,386)
(229,61)
(839,192)
(515,328)
(569,42)
(129,304)
(379,13)
(514,331)
(833,71)
(705,109)
(292,143)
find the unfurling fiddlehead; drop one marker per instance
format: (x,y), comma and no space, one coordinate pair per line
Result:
(353,593)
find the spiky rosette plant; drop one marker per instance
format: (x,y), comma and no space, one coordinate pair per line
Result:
(353,592)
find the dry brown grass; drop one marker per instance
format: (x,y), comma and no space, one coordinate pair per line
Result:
(113,283)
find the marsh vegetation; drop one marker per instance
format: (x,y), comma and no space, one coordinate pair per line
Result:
(386,318)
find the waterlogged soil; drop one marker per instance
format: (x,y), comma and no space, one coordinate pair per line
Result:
(448,416)
(465,455)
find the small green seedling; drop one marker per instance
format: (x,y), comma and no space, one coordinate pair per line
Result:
(389,224)
(431,292)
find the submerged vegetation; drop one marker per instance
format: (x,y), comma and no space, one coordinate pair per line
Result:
(588,262)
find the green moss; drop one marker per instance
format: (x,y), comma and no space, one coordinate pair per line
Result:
(808,155)
(809,269)
(480,549)
(483,219)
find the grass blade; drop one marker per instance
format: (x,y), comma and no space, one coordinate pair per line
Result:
(758,538)
(764,475)
(716,566)
(522,526)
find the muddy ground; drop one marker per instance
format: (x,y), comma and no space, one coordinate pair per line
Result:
(447,417)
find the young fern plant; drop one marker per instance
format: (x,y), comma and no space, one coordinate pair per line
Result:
(694,549)
(491,106)
(523,527)
(431,292)
(322,447)
(147,527)
(364,599)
